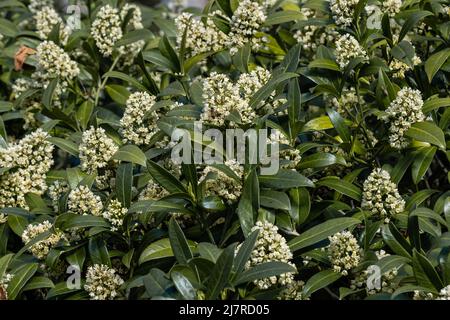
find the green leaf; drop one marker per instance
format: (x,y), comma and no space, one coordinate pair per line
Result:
(324,64)
(87,221)
(183,286)
(320,160)
(300,204)
(84,113)
(21,276)
(133,36)
(320,280)
(131,153)
(249,203)
(124,183)
(435,103)
(98,251)
(341,186)
(241,58)
(275,200)
(209,251)
(321,232)
(435,62)
(318,124)
(221,273)
(159,60)
(280,17)
(391,262)
(394,239)
(160,249)
(38,283)
(128,79)
(156,283)
(165,178)
(8,28)
(65,145)
(264,270)
(118,93)
(244,253)
(422,160)
(265,91)
(425,273)
(47,97)
(339,125)
(285,179)
(4,263)
(427,132)
(412,21)
(179,243)
(428,213)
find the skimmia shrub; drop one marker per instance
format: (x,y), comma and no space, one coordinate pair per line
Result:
(97,99)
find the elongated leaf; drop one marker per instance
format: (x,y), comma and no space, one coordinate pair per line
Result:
(339,125)
(65,144)
(321,232)
(412,21)
(165,178)
(128,79)
(47,97)
(275,200)
(245,252)
(300,204)
(320,160)
(179,242)
(320,280)
(156,282)
(427,132)
(124,183)
(324,64)
(423,158)
(264,270)
(160,249)
(285,179)
(220,275)
(131,153)
(341,186)
(265,91)
(21,276)
(118,93)
(183,286)
(280,17)
(435,62)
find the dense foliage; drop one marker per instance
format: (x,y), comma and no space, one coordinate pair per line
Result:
(94,207)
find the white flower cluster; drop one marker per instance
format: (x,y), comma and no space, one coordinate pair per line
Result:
(55,62)
(96,149)
(220,184)
(347,48)
(201,37)
(403,112)
(293,291)
(82,200)
(4,283)
(31,106)
(399,68)
(343,11)
(380,195)
(153,191)
(270,246)
(46,19)
(289,157)
(392,7)
(130,51)
(444,294)
(387,283)
(106,29)
(36,5)
(246,22)
(55,191)
(102,282)
(29,161)
(312,36)
(348,101)
(115,214)
(41,248)
(221,96)
(138,124)
(344,252)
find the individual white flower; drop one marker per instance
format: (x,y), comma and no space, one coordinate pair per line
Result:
(29,160)
(138,124)
(246,22)
(106,29)
(402,113)
(392,7)
(102,282)
(96,149)
(221,96)
(380,195)
(344,252)
(220,184)
(270,246)
(201,37)
(343,11)
(55,62)
(3,218)
(115,214)
(347,48)
(293,291)
(82,200)
(46,19)
(41,248)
